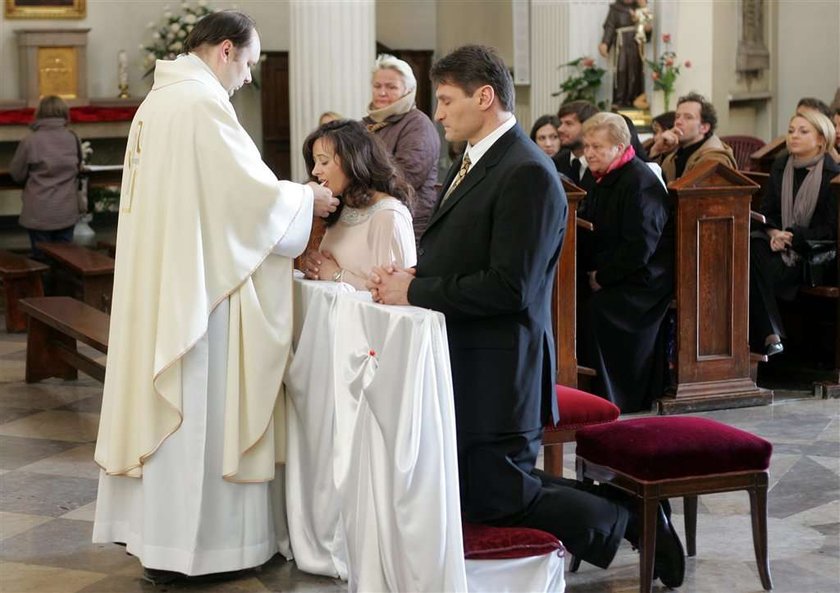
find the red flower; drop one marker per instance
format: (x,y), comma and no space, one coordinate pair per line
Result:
(666,38)
(688,63)
(588,62)
(669,62)
(655,75)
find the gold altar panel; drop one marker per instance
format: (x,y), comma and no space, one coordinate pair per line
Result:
(45,9)
(57,72)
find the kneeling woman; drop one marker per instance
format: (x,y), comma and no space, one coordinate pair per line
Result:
(372,226)
(799,208)
(630,267)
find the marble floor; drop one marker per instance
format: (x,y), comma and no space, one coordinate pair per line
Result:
(48,493)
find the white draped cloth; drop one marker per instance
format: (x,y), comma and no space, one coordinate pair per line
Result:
(374,497)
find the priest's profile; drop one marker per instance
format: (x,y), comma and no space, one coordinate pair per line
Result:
(192,421)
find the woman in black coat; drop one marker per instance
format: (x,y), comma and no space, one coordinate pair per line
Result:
(799,208)
(630,268)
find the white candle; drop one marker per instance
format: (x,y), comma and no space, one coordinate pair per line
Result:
(122,68)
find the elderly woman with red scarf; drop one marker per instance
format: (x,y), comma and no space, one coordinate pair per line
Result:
(630,266)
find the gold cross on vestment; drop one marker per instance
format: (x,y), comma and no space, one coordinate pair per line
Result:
(133,165)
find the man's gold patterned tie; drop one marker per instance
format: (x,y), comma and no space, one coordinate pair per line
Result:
(462,172)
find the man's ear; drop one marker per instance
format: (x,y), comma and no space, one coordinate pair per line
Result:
(226,51)
(704,127)
(486,96)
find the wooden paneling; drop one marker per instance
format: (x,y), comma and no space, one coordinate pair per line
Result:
(276,126)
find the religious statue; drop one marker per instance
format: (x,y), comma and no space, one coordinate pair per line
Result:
(626,30)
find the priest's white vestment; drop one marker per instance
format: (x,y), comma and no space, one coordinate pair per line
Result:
(192,422)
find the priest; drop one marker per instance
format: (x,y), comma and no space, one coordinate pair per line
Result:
(192,423)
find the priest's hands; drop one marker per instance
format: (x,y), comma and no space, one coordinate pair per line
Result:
(389,285)
(325,203)
(319,265)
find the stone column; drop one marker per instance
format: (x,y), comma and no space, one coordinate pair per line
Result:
(331,54)
(549,48)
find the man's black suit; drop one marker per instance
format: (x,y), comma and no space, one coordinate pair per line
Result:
(562,161)
(487,262)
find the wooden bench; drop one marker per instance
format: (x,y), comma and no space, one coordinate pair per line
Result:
(84,273)
(21,278)
(55,325)
(830,293)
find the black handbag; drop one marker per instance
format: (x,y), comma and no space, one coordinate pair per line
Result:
(818,264)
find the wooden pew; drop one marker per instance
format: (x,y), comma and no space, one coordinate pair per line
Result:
(713,366)
(84,273)
(55,326)
(762,159)
(564,295)
(21,278)
(831,387)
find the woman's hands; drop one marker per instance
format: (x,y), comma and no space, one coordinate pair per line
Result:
(319,265)
(780,240)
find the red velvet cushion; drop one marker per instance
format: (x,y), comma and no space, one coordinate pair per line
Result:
(483,542)
(579,409)
(670,447)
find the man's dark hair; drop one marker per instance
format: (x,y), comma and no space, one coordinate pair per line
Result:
(215,28)
(815,104)
(708,115)
(365,162)
(472,66)
(582,110)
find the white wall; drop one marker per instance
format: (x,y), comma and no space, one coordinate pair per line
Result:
(808,54)
(407,24)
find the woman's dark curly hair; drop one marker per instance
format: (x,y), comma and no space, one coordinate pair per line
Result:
(364,160)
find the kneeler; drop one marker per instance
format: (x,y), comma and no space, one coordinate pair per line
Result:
(512,559)
(678,456)
(577,410)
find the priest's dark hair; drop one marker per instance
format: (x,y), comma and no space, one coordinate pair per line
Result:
(364,160)
(473,66)
(216,27)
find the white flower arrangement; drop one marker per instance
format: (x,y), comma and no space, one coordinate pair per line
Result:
(169,34)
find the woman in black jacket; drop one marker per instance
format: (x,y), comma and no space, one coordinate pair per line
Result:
(630,267)
(799,208)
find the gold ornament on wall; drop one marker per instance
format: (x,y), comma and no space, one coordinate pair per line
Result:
(45,9)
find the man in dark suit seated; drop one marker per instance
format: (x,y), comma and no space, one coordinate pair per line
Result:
(487,262)
(570,160)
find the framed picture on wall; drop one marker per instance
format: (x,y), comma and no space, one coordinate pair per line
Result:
(45,9)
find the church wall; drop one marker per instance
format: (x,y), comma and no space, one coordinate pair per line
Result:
(808,54)
(407,25)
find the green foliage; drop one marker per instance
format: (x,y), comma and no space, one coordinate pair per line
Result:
(665,70)
(168,36)
(104,199)
(583,84)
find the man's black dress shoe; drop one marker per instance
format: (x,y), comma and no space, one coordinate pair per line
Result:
(669,556)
